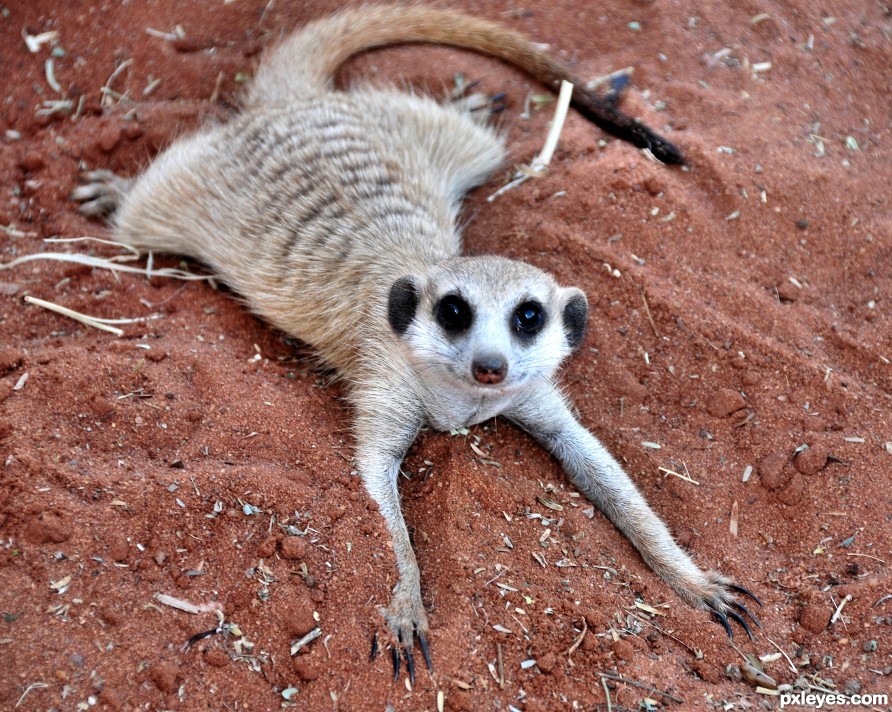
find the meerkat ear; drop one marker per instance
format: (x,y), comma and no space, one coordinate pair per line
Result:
(402,303)
(575,316)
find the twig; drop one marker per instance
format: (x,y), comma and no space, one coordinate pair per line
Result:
(868,556)
(32,686)
(668,635)
(838,612)
(679,475)
(606,693)
(498,575)
(169,36)
(110,263)
(539,165)
(649,315)
(215,94)
(186,606)
(780,650)
(90,238)
(639,685)
(50,71)
(743,655)
(114,75)
(94,321)
(578,641)
(35,42)
(501,665)
(308,638)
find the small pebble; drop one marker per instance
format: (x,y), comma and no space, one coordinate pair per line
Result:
(771,470)
(787,292)
(547,663)
(723,402)
(812,459)
(815,618)
(293,547)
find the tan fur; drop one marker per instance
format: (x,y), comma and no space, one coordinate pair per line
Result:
(334,215)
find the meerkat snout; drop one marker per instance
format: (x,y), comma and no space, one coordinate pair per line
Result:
(489,368)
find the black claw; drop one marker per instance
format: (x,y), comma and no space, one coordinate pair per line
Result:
(374,647)
(737,617)
(425,650)
(743,609)
(497,103)
(410,664)
(745,592)
(723,619)
(395,656)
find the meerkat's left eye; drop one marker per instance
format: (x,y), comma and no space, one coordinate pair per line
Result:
(528,318)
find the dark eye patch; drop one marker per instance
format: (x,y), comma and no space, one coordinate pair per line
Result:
(402,304)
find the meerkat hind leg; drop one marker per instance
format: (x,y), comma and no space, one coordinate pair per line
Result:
(545,414)
(479,106)
(101,193)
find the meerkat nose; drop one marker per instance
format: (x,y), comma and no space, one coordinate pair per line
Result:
(489,368)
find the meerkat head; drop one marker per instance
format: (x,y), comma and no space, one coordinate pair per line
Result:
(486,323)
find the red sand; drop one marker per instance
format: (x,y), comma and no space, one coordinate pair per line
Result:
(749,315)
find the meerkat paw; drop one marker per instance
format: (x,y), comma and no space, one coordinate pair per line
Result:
(614,86)
(716,595)
(477,105)
(407,620)
(100,193)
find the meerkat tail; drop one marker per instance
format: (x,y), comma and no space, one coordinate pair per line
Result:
(307,60)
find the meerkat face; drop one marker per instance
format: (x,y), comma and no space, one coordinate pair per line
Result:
(486,324)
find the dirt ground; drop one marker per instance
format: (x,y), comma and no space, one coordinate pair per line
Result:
(740,335)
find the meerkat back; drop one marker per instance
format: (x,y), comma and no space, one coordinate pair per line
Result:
(308,199)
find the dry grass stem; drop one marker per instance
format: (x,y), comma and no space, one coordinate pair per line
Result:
(578,640)
(787,657)
(680,476)
(308,638)
(186,606)
(650,318)
(539,165)
(639,685)
(110,263)
(93,321)
(501,666)
(106,89)
(838,612)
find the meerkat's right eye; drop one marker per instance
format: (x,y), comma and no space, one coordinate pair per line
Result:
(453,313)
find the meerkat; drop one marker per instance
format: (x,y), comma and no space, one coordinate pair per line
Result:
(334,215)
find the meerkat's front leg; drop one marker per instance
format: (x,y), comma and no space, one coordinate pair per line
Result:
(544,413)
(383,437)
